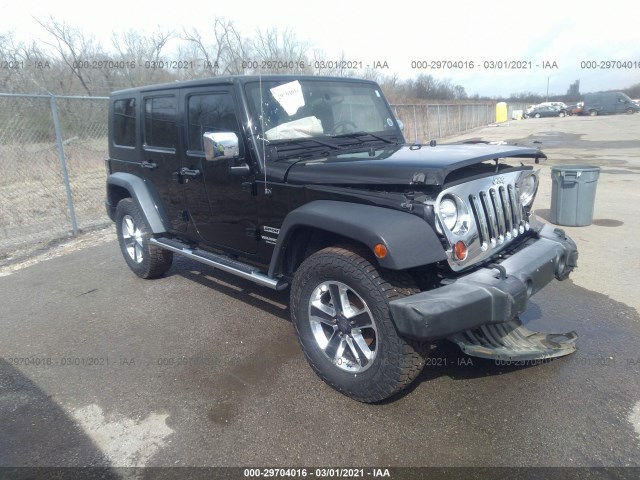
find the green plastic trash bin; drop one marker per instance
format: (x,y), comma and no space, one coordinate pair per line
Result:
(573,194)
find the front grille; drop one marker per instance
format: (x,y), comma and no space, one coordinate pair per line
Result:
(491,216)
(499,215)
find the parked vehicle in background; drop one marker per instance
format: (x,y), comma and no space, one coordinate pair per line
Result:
(575,108)
(546,111)
(560,106)
(556,105)
(607,103)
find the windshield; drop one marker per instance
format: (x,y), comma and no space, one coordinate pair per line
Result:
(304,109)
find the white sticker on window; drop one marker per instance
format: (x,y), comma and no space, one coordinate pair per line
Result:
(377,93)
(289,95)
(389,122)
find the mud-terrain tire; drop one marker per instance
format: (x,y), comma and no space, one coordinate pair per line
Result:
(146,260)
(354,347)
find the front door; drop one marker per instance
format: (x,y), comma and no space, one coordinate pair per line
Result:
(221,204)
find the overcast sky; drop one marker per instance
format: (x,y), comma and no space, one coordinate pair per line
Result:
(564,32)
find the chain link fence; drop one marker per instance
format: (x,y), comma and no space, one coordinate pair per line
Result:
(52,173)
(423,123)
(52,151)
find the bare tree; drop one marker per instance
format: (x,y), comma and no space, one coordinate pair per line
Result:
(227,55)
(235,48)
(141,55)
(73,48)
(6,56)
(371,73)
(280,52)
(337,67)
(459,92)
(209,55)
(29,67)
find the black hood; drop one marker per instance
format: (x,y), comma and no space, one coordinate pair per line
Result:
(398,165)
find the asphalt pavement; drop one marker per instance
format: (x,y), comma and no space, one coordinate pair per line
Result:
(200,368)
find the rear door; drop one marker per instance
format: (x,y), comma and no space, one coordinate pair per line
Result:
(160,152)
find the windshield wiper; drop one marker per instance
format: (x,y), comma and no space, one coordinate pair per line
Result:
(297,141)
(361,134)
(301,147)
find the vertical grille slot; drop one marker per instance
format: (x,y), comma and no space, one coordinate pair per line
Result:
(481,221)
(508,215)
(497,205)
(514,195)
(487,205)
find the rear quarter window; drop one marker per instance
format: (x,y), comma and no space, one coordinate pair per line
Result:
(124,122)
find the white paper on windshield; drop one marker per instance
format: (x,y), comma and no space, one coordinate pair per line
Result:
(303,127)
(289,95)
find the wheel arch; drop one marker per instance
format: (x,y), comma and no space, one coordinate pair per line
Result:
(125,185)
(410,240)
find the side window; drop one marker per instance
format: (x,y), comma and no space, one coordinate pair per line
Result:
(210,113)
(160,128)
(124,122)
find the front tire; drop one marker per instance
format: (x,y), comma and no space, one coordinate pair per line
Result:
(146,260)
(340,310)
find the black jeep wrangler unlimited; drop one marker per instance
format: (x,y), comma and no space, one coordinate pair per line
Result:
(307,183)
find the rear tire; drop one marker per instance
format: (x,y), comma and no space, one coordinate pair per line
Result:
(340,311)
(146,260)
(593,113)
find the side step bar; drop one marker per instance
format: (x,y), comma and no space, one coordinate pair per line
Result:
(226,264)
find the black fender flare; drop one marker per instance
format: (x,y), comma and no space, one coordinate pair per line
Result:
(410,240)
(144,194)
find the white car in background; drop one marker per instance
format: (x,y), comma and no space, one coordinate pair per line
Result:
(556,105)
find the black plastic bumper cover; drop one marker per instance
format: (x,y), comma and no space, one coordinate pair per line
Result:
(488,295)
(512,341)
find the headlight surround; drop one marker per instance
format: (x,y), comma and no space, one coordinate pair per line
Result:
(453,214)
(528,186)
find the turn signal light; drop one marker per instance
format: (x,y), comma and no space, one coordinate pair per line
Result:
(380,250)
(460,250)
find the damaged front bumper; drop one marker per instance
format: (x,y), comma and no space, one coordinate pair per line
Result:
(492,295)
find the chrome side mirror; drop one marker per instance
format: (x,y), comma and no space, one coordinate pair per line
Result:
(220,145)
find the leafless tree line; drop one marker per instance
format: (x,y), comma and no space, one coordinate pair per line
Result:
(70,62)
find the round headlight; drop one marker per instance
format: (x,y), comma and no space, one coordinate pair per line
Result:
(528,186)
(448,212)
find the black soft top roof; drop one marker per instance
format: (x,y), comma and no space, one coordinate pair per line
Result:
(233,79)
